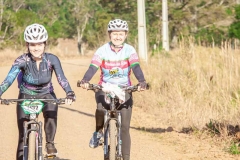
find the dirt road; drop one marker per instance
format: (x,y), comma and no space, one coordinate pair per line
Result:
(76,124)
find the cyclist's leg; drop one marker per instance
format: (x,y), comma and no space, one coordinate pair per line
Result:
(99,114)
(50,121)
(21,117)
(126,112)
(99,118)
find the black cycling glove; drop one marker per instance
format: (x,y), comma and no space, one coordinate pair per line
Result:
(81,82)
(143,85)
(71,95)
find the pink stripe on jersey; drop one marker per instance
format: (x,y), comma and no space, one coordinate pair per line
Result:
(122,64)
(96,60)
(133,58)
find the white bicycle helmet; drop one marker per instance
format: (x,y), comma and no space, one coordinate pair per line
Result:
(35,33)
(117,25)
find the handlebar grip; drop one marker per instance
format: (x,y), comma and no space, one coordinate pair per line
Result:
(90,86)
(4,102)
(147,86)
(61,101)
(135,88)
(78,83)
(81,82)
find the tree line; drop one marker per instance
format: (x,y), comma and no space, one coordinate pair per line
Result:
(207,21)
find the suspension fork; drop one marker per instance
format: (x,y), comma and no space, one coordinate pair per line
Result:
(119,140)
(40,155)
(26,133)
(25,146)
(118,119)
(105,147)
(106,130)
(107,118)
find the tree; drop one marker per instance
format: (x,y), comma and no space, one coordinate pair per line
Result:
(234,30)
(81,14)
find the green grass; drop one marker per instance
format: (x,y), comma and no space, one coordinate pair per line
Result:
(234,148)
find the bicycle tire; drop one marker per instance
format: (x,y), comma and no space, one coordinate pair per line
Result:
(32,145)
(112,137)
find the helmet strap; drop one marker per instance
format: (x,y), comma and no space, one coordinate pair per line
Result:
(117,46)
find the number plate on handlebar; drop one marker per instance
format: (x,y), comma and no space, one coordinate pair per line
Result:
(32,107)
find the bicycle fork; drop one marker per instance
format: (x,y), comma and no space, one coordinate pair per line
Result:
(118,120)
(119,140)
(38,138)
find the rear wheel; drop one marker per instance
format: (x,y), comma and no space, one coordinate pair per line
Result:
(32,145)
(113,138)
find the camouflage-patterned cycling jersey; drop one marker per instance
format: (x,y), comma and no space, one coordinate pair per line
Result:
(35,81)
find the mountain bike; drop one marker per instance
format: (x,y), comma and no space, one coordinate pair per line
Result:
(112,143)
(32,140)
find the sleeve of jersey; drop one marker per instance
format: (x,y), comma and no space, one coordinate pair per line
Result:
(96,60)
(138,73)
(62,80)
(134,63)
(133,59)
(90,73)
(12,74)
(95,64)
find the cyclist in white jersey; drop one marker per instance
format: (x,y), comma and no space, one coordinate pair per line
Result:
(116,59)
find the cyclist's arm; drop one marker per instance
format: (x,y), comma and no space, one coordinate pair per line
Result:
(138,73)
(90,73)
(12,74)
(95,64)
(62,80)
(134,63)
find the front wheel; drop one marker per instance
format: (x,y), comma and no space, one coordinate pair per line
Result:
(31,145)
(113,139)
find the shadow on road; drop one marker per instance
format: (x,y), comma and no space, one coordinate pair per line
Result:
(74,110)
(153,130)
(55,158)
(215,127)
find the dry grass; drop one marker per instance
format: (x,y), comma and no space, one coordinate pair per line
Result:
(190,86)
(7,56)
(66,49)
(193,85)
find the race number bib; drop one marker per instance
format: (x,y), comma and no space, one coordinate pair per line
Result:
(32,107)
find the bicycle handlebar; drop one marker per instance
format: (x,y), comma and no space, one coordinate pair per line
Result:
(57,101)
(126,89)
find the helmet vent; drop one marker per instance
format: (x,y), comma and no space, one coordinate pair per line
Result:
(117,24)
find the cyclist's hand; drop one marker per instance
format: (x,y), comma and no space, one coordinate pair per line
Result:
(70,98)
(83,83)
(142,86)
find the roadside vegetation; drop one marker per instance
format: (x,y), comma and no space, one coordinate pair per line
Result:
(195,86)
(208,22)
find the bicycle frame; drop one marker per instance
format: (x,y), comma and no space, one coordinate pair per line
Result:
(110,116)
(33,127)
